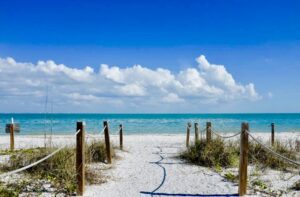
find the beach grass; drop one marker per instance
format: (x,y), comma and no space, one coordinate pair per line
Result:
(96,152)
(223,157)
(214,153)
(219,153)
(58,170)
(10,190)
(259,156)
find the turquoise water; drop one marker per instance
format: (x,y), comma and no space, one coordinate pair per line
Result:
(149,123)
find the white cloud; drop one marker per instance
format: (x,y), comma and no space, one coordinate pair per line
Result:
(50,68)
(136,85)
(218,76)
(132,90)
(172,98)
(82,97)
(270,95)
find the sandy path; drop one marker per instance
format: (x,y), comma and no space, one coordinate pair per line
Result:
(149,165)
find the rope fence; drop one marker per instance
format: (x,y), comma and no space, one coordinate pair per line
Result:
(35,163)
(118,132)
(95,135)
(80,143)
(80,153)
(102,132)
(244,146)
(225,137)
(272,151)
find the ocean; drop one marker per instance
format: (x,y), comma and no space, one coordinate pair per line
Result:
(32,124)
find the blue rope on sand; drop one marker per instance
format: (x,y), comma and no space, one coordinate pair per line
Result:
(153,193)
(164,171)
(199,195)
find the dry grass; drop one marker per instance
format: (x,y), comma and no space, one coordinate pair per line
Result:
(96,152)
(58,169)
(211,154)
(10,190)
(225,154)
(261,157)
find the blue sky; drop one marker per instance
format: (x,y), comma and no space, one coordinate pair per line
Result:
(256,41)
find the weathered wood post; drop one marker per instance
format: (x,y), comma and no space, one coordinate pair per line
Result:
(188,134)
(196,132)
(107,142)
(121,137)
(12,137)
(272,134)
(208,131)
(80,161)
(244,145)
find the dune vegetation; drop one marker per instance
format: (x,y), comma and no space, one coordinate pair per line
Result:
(57,171)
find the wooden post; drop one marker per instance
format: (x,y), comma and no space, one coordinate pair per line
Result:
(121,137)
(244,145)
(107,142)
(272,134)
(12,137)
(196,132)
(188,134)
(80,161)
(208,131)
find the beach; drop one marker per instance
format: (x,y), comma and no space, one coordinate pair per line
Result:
(149,98)
(150,163)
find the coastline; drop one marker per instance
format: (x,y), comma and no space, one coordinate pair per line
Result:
(30,141)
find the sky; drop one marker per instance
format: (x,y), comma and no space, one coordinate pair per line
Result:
(203,56)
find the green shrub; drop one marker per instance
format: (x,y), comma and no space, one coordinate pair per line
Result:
(259,183)
(211,154)
(7,191)
(58,169)
(96,152)
(231,177)
(217,153)
(260,156)
(13,189)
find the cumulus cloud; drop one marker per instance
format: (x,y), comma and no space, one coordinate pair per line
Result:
(51,68)
(172,98)
(136,84)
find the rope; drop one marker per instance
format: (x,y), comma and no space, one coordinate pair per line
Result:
(164,170)
(35,163)
(89,135)
(118,132)
(102,131)
(272,151)
(225,136)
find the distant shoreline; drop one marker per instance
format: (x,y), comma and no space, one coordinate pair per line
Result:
(65,124)
(26,141)
(183,133)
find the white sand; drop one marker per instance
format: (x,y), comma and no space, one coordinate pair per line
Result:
(136,171)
